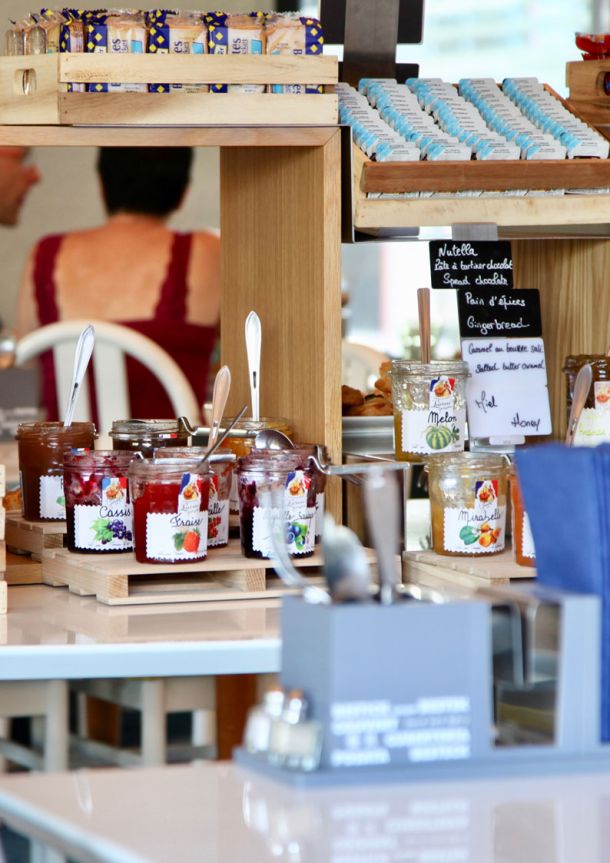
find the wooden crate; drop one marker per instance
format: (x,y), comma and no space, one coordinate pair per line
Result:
(33,90)
(587,95)
(22,569)
(121,580)
(32,537)
(429,569)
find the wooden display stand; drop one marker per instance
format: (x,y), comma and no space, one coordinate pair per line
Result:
(585,81)
(443,572)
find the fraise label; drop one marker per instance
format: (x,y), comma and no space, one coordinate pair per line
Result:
(189,499)
(177,536)
(52,498)
(107,526)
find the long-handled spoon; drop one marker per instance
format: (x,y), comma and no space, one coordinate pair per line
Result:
(383,521)
(82,355)
(582,385)
(253,350)
(423,313)
(220,440)
(220,394)
(346,568)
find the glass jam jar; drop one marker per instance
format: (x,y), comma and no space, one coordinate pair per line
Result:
(264,479)
(41,448)
(147,435)
(243,443)
(304,450)
(170,509)
(594,424)
(429,408)
(222,465)
(468,494)
(99,513)
(523,541)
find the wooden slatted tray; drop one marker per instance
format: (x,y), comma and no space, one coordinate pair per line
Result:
(120,580)
(429,569)
(32,537)
(33,90)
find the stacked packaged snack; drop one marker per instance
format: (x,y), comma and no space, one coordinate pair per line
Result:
(291,34)
(116,32)
(177,33)
(72,39)
(236,34)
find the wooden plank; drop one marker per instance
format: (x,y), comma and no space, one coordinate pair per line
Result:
(585,79)
(213,109)
(193,69)
(3,597)
(281,255)
(185,136)
(22,569)
(33,536)
(486,567)
(28,89)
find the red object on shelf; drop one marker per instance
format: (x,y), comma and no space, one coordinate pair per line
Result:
(595,46)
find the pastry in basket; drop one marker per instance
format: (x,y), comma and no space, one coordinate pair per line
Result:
(383,383)
(12,500)
(350,397)
(375,405)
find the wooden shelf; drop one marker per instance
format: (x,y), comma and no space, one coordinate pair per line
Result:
(429,569)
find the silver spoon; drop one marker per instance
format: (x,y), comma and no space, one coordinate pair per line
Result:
(272,439)
(220,394)
(253,350)
(82,355)
(346,568)
(582,385)
(219,441)
(383,521)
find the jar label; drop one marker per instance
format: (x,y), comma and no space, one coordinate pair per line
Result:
(430,431)
(298,517)
(593,427)
(601,394)
(527,540)
(109,526)
(479,529)
(189,498)
(218,516)
(52,499)
(319,513)
(234,496)
(176,536)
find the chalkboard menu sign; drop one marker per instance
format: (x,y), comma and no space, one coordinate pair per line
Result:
(506,314)
(480,265)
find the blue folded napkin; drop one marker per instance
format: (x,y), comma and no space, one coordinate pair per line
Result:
(566,493)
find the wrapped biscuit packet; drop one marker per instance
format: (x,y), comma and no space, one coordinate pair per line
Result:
(34,36)
(51,20)
(242,33)
(119,32)
(177,33)
(72,40)
(290,33)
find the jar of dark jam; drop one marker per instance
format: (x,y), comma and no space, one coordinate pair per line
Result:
(147,435)
(41,448)
(99,513)
(305,450)
(267,479)
(222,464)
(170,509)
(594,425)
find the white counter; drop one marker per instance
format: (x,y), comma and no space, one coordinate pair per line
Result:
(50,633)
(219,814)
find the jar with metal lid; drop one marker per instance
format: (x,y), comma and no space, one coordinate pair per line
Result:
(41,448)
(99,512)
(429,408)
(468,497)
(523,541)
(147,435)
(594,424)
(266,480)
(170,509)
(222,465)
(241,441)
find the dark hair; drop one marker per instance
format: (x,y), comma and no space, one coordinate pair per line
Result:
(149,180)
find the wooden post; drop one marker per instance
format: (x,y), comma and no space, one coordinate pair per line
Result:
(281,256)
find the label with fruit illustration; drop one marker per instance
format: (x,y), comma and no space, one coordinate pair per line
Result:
(601,393)
(440,428)
(527,540)
(593,427)
(479,529)
(107,526)
(319,512)
(52,499)
(298,516)
(182,535)
(218,516)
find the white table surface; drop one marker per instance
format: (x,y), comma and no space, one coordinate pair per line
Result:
(219,814)
(50,633)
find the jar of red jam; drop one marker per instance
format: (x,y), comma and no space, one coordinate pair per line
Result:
(170,509)
(241,442)
(99,513)
(266,479)
(147,435)
(41,448)
(222,464)
(523,542)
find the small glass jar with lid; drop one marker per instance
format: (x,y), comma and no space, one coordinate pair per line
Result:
(267,480)
(145,436)
(242,442)
(523,541)
(429,408)
(99,513)
(594,424)
(170,509)
(41,448)
(222,464)
(468,497)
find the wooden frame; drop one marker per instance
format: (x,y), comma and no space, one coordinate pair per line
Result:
(585,81)
(33,90)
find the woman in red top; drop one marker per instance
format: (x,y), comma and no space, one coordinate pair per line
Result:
(135,271)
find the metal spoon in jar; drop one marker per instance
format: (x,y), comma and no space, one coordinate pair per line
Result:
(219,441)
(82,355)
(272,439)
(253,351)
(582,385)
(220,394)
